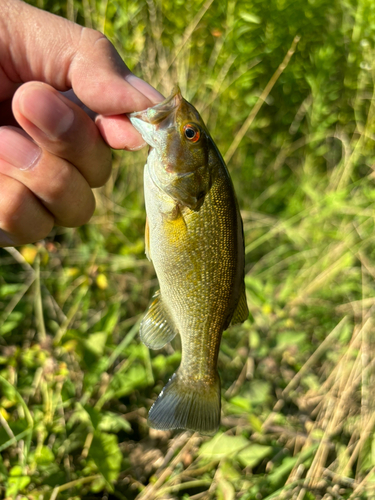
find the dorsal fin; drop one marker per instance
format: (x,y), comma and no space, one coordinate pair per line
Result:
(241,312)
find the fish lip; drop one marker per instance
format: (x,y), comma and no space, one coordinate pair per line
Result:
(162,115)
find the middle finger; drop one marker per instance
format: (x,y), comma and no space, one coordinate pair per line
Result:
(56,182)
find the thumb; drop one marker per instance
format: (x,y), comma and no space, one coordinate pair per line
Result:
(37,45)
(103,82)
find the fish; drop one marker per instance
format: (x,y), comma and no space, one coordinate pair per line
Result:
(194,238)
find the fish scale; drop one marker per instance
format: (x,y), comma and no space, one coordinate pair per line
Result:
(195,241)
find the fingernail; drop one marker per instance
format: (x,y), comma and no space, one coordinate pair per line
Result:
(145,88)
(46,110)
(137,148)
(17,150)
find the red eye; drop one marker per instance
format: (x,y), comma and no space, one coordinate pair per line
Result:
(192,132)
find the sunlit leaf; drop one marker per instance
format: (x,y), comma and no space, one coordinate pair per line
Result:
(111,422)
(222,446)
(96,342)
(17,482)
(253,454)
(250,18)
(106,454)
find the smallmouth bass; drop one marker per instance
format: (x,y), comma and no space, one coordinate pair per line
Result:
(194,238)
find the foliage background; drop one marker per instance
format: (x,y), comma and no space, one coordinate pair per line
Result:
(297,378)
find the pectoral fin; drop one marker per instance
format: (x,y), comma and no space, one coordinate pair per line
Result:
(241,312)
(190,189)
(156,328)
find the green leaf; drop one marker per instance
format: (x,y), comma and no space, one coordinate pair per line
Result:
(17,482)
(44,456)
(9,289)
(279,473)
(223,446)
(366,455)
(111,318)
(8,326)
(291,338)
(259,392)
(241,402)
(253,454)
(123,384)
(95,416)
(106,454)
(111,422)
(250,18)
(98,484)
(256,423)
(96,343)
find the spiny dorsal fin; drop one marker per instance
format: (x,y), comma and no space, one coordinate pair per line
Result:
(241,312)
(185,403)
(156,329)
(147,240)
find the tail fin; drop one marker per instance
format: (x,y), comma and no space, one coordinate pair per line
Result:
(187,404)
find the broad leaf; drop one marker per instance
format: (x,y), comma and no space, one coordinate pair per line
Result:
(106,454)
(223,446)
(253,454)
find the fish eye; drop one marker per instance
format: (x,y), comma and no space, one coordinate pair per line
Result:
(192,132)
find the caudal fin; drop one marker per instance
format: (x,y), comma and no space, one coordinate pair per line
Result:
(187,404)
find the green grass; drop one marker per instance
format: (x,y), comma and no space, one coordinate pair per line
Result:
(297,377)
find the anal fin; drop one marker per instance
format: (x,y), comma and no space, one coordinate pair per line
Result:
(156,329)
(241,312)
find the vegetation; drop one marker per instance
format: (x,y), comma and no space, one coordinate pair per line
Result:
(297,377)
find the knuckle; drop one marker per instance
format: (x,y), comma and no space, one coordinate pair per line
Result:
(93,159)
(86,150)
(103,171)
(89,210)
(79,213)
(60,182)
(65,193)
(93,36)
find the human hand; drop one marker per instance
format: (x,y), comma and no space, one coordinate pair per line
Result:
(48,167)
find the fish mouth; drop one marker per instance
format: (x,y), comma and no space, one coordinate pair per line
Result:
(161,117)
(162,111)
